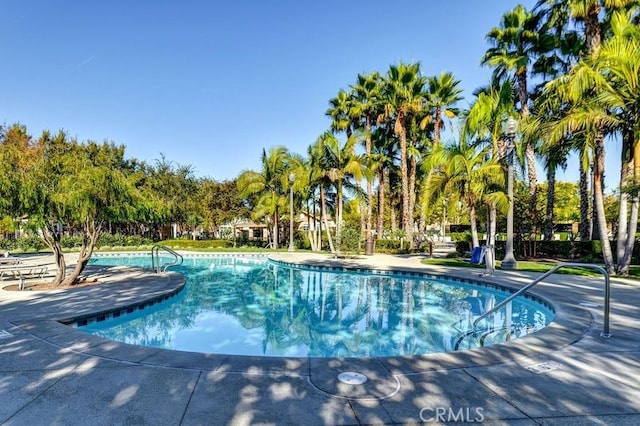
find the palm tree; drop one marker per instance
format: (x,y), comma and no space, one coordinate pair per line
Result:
(404,94)
(586,13)
(466,170)
(269,185)
(515,44)
(443,92)
(367,105)
(340,164)
(341,112)
(318,178)
(382,159)
(483,125)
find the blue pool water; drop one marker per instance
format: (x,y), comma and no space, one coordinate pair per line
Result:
(244,305)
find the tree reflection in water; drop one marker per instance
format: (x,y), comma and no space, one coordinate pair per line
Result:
(250,306)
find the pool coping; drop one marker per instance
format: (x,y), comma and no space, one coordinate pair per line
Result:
(571,324)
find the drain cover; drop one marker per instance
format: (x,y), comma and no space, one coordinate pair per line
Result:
(591,305)
(352,378)
(5,334)
(543,367)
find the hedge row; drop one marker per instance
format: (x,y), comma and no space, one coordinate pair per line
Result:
(583,251)
(27,244)
(197,244)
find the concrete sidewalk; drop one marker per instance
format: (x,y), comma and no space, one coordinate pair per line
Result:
(564,374)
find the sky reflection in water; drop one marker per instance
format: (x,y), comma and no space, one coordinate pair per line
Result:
(249,306)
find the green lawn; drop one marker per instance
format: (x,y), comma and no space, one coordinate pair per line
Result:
(529,266)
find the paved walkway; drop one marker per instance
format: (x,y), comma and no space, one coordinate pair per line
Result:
(564,374)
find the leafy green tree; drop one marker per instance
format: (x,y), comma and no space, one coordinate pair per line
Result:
(221,202)
(79,187)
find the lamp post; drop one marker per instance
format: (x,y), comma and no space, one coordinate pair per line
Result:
(292,177)
(509,128)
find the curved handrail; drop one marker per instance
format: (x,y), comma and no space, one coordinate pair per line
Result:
(607,293)
(155,254)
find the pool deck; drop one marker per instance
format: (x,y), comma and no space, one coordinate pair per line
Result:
(564,374)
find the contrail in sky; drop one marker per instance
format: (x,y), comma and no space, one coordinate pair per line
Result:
(85,62)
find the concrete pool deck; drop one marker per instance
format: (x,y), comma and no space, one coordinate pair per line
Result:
(564,374)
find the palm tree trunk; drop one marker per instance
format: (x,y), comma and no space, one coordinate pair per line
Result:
(523,97)
(393,213)
(275,230)
(598,174)
(404,174)
(474,225)
(626,173)
(323,210)
(551,195)
(437,124)
(338,210)
(369,213)
(584,202)
(632,224)
(412,197)
(380,221)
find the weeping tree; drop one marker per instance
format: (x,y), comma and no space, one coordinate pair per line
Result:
(74,187)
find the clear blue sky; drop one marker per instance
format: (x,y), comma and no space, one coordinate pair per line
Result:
(211,83)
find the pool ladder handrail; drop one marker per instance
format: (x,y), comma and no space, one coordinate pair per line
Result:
(155,258)
(607,293)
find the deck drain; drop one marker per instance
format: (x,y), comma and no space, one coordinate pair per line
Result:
(591,305)
(352,378)
(5,334)
(543,367)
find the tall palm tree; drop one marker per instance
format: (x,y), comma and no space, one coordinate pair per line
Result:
(269,185)
(318,177)
(614,72)
(515,44)
(584,88)
(367,105)
(586,14)
(382,161)
(341,112)
(340,164)
(404,94)
(483,126)
(442,93)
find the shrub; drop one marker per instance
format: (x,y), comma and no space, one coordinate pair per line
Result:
(7,244)
(70,242)
(30,244)
(199,244)
(349,239)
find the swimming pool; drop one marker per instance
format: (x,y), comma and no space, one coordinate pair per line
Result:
(249,305)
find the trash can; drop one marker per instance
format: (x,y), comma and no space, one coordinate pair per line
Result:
(368,248)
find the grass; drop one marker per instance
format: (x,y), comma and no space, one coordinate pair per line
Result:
(539,266)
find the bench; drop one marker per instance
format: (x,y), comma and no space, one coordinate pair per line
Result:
(22,272)
(10,260)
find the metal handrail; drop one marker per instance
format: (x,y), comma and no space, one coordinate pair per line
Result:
(607,293)
(155,254)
